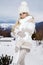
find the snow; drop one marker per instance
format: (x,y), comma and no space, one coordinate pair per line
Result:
(35,57)
(8,47)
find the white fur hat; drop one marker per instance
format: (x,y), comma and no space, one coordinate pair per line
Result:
(23,7)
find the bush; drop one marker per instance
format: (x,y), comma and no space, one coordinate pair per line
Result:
(6,60)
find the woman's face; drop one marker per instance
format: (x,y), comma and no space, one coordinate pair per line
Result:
(23,15)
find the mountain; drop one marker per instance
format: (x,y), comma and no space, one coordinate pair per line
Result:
(7,21)
(38,34)
(5,27)
(39,26)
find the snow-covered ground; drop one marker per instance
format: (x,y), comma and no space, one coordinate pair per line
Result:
(35,57)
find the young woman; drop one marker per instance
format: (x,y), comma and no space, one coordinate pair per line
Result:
(23,30)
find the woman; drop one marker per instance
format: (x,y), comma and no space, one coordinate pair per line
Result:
(23,30)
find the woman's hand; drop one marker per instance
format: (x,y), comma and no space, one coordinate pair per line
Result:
(21,34)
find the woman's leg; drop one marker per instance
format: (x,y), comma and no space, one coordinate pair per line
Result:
(21,57)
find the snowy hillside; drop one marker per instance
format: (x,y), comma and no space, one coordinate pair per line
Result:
(35,57)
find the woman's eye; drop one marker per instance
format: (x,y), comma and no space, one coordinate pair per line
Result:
(20,14)
(23,12)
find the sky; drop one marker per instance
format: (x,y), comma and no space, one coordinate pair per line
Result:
(9,9)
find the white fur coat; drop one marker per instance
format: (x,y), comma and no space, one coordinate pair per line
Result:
(24,32)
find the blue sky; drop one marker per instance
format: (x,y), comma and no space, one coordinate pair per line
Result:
(9,8)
